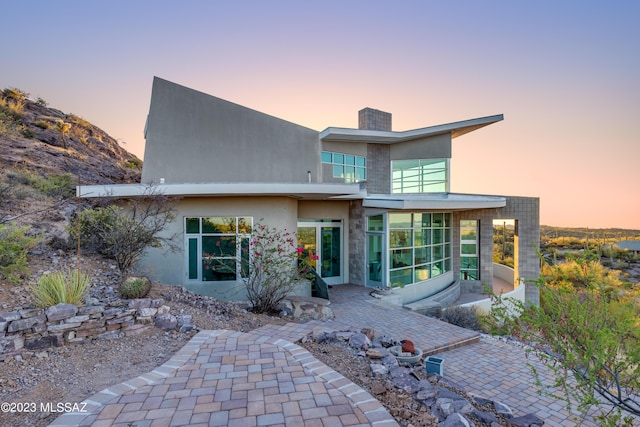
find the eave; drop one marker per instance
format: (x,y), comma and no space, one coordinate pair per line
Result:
(310,191)
(456,129)
(440,201)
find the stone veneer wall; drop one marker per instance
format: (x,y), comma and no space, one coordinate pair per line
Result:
(378,169)
(357,244)
(526,210)
(37,329)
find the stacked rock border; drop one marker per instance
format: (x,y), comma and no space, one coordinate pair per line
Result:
(62,324)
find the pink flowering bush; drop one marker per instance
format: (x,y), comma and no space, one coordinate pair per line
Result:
(306,263)
(272,271)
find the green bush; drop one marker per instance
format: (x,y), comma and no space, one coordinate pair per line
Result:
(42,124)
(28,133)
(14,246)
(465,317)
(56,185)
(93,223)
(124,233)
(70,287)
(135,287)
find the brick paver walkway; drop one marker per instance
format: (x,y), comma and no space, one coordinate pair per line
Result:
(260,378)
(228,378)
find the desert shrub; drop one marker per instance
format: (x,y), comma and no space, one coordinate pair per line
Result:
(135,287)
(9,125)
(585,331)
(56,185)
(42,124)
(70,287)
(15,243)
(133,163)
(42,102)
(465,317)
(13,107)
(123,233)
(28,133)
(15,94)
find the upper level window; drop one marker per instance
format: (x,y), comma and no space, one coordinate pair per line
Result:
(349,167)
(420,176)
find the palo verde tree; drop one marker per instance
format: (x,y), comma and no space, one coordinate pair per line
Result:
(123,231)
(587,336)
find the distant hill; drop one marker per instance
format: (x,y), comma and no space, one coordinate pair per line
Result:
(47,141)
(550,232)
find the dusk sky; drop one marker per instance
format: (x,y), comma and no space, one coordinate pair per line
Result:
(565,74)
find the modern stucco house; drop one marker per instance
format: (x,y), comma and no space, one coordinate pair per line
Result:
(374,204)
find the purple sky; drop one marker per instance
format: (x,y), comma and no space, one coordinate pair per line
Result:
(566,75)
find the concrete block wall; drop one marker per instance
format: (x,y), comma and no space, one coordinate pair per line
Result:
(357,244)
(378,169)
(372,119)
(527,211)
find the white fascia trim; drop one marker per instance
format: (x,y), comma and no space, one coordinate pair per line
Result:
(441,201)
(391,137)
(223,189)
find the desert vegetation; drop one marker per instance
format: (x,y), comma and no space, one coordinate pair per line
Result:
(586,330)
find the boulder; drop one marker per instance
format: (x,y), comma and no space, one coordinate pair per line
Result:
(166,321)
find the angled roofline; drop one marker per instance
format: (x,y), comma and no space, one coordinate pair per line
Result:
(390,137)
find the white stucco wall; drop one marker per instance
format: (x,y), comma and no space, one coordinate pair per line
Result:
(170,268)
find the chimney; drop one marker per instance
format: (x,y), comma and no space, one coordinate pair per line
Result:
(371,119)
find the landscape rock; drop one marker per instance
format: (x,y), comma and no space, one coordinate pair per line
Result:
(456,420)
(502,409)
(60,312)
(528,420)
(378,369)
(485,417)
(166,321)
(359,341)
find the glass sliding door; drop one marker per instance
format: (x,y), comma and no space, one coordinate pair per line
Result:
(323,238)
(375,250)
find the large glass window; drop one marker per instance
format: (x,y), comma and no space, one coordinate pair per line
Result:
(349,167)
(218,247)
(420,176)
(419,246)
(469,250)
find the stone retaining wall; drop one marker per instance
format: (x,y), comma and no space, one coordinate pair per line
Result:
(37,329)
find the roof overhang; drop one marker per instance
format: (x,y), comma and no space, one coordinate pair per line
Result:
(456,129)
(312,191)
(441,201)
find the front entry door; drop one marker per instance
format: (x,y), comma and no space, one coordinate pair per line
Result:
(324,239)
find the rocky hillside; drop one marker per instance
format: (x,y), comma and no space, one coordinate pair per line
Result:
(44,154)
(45,140)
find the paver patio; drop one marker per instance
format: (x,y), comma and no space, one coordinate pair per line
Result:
(261,378)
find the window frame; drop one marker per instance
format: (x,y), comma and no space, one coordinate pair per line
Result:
(467,265)
(240,234)
(350,167)
(433,253)
(413,178)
